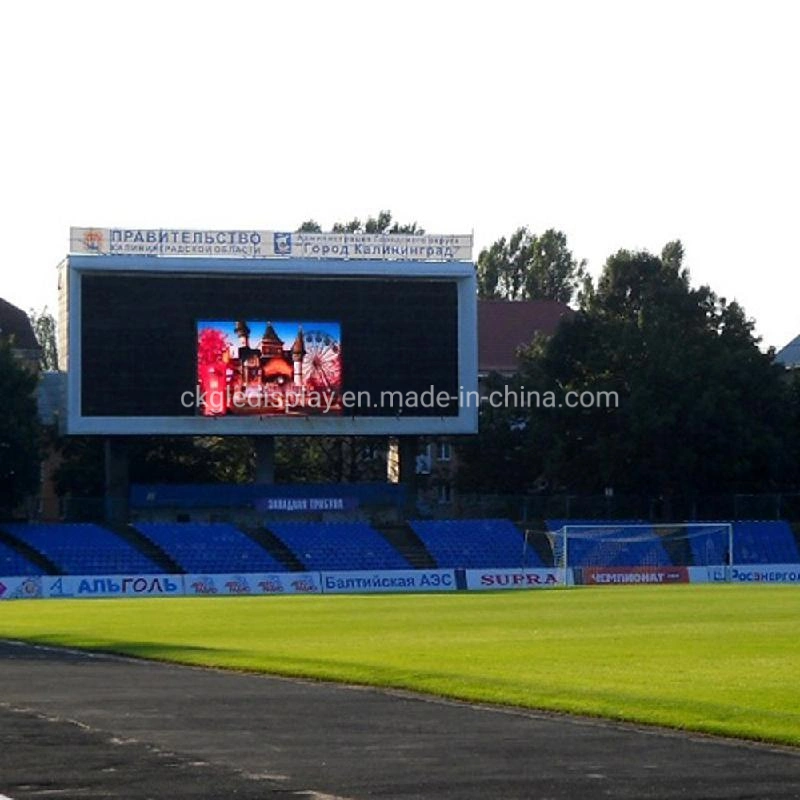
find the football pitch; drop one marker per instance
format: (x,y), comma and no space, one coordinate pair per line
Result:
(717,659)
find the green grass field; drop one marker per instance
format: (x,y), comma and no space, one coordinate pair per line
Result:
(718,659)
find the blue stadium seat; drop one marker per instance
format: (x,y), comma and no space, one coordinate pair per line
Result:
(13,563)
(476,544)
(336,546)
(753,543)
(764,543)
(215,547)
(84,549)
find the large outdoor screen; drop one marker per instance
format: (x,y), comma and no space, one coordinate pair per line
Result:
(192,346)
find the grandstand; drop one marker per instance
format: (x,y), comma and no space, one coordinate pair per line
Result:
(153,548)
(83,549)
(474,544)
(14,563)
(769,542)
(210,547)
(339,546)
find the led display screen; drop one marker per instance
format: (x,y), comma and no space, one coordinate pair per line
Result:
(172,349)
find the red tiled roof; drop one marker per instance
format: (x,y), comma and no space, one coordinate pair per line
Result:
(505,325)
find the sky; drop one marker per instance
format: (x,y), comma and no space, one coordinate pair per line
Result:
(623,124)
(286,331)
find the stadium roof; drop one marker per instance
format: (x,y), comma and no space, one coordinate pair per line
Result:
(505,325)
(789,356)
(15,326)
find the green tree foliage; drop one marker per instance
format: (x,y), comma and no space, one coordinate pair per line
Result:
(793,438)
(192,459)
(44,327)
(326,459)
(701,411)
(382,223)
(19,432)
(510,453)
(530,267)
(81,466)
(155,459)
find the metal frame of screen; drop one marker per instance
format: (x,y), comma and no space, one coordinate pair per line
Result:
(462,273)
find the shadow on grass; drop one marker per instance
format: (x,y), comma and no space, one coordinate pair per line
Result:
(706,715)
(66,650)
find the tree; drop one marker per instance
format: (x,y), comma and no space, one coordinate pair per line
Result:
(155,459)
(19,432)
(793,438)
(702,409)
(326,459)
(44,328)
(187,459)
(509,453)
(382,223)
(530,267)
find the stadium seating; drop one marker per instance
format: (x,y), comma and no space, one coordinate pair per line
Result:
(338,546)
(87,549)
(210,547)
(84,549)
(764,543)
(475,544)
(753,543)
(13,563)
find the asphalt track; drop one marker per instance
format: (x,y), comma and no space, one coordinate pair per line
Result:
(76,725)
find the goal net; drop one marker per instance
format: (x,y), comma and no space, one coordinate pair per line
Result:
(594,553)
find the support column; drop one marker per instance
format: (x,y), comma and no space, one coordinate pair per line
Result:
(265,458)
(407,455)
(117,481)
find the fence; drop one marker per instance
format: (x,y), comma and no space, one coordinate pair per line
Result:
(528,509)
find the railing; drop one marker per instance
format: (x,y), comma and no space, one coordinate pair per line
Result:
(527,509)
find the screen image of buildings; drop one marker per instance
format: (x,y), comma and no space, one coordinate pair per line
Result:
(293,368)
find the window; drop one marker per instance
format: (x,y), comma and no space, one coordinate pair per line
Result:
(444,451)
(445,494)
(424,461)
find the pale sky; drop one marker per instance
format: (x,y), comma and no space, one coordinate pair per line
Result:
(624,124)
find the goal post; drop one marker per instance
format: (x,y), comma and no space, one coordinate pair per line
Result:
(603,553)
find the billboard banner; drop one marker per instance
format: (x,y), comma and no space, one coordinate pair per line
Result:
(81,586)
(605,576)
(21,588)
(251,243)
(494,579)
(253,583)
(747,573)
(404,580)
